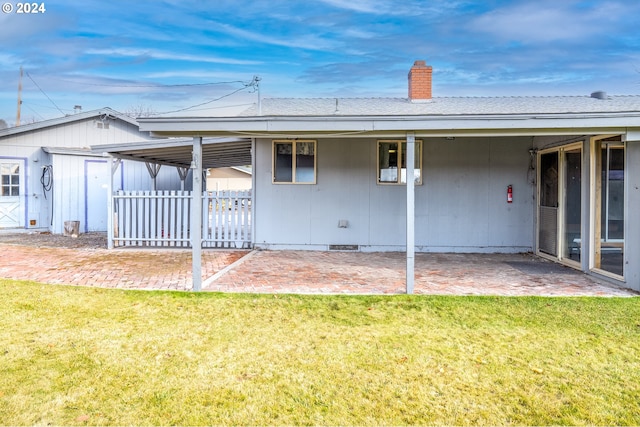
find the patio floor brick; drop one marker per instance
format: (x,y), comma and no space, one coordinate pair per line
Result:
(302,272)
(312,272)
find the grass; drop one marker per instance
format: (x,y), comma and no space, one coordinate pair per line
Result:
(78,356)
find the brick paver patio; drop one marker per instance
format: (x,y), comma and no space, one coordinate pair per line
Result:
(117,268)
(384,273)
(303,272)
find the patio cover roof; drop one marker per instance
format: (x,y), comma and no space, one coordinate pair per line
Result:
(393,117)
(216,152)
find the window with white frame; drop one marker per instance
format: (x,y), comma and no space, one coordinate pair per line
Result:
(9,179)
(294,162)
(392,162)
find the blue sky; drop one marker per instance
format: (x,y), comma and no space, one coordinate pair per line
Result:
(164,56)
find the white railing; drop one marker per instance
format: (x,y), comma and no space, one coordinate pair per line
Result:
(162,218)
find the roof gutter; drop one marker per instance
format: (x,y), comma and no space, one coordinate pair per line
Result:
(354,126)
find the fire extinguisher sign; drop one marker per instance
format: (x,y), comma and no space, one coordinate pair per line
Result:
(510,194)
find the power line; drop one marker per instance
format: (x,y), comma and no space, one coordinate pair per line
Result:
(40,115)
(34,82)
(251,84)
(158,85)
(223,106)
(46,106)
(204,103)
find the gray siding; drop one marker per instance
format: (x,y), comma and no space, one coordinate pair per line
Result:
(69,201)
(461,205)
(632,236)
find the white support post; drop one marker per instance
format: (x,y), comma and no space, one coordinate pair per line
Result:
(112,164)
(410,155)
(182,172)
(196,216)
(252,210)
(153,169)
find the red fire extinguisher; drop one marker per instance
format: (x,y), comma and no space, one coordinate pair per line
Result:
(509,194)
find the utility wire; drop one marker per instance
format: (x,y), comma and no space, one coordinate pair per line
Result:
(251,84)
(34,82)
(224,106)
(159,85)
(40,115)
(44,106)
(204,103)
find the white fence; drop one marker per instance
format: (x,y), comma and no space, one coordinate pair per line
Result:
(162,218)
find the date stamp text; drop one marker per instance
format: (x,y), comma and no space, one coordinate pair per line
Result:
(24,8)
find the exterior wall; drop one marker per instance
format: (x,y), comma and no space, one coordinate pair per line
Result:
(32,198)
(80,189)
(460,207)
(221,179)
(632,232)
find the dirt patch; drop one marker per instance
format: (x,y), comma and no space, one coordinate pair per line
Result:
(38,239)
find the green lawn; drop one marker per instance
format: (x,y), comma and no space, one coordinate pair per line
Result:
(77,356)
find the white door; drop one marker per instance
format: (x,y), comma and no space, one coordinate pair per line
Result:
(97,176)
(11,193)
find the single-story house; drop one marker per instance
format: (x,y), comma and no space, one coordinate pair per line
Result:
(555,175)
(229,178)
(50,176)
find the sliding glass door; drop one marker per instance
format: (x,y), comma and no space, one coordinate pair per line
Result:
(560,203)
(608,248)
(548,204)
(572,204)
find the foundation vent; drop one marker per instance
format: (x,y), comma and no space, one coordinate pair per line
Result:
(344,247)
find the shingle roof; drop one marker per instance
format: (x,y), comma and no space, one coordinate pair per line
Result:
(445,106)
(67,119)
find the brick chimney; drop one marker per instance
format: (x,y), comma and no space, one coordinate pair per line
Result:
(420,82)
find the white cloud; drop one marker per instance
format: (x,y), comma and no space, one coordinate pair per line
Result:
(364,6)
(8,60)
(549,21)
(398,8)
(157,54)
(304,41)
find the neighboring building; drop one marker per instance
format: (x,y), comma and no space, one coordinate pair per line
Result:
(558,176)
(50,176)
(237,178)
